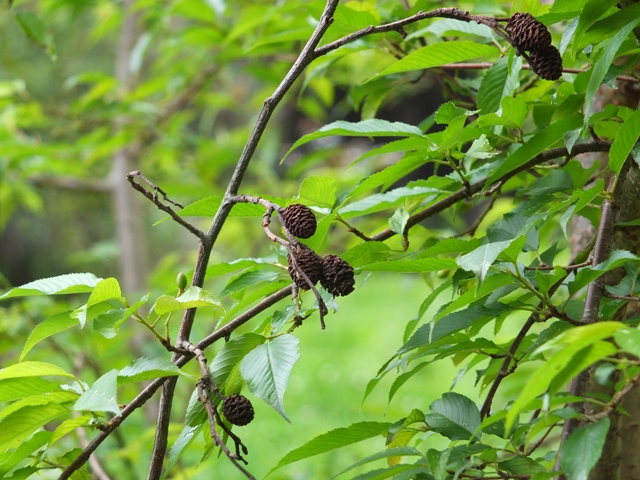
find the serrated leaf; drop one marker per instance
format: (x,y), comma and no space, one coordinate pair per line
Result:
(454,416)
(412,266)
(601,67)
(398,221)
(61,285)
(332,440)
(521,466)
(582,449)
(540,142)
(101,396)
(480,260)
(69,426)
(624,142)
(39,399)
(193,297)
(366,128)
(149,369)
(319,191)
(106,289)
(52,325)
(33,369)
(267,367)
(440,53)
(16,388)
(608,26)
(16,427)
(382,201)
(231,353)
(500,81)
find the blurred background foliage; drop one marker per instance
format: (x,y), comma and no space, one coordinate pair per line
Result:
(196,74)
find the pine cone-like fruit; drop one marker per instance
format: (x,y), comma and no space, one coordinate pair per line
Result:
(547,63)
(337,276)
(299,220)
(309,262)
(528,33)
(238,409)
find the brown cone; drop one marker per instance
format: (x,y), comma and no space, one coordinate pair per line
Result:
(238,409)
(309,262)
(547,63)
(337,276)
(299,220)
(528,33)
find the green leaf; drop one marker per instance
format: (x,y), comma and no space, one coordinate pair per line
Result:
(389,452)
(629,340)
(340,437)
(500,81)
(625,141)
(69,426)
(39,399)
(366,128)
(16,388)
(412,266)
(192,297)
(592,11)
(24,450)
(32,369)
(397,472)
(581,347)
(388,175)
(149,369)
(440,53)
(106,289)
(540,142)
(398,221)
(608,26)
(319,191)
(231,353)
(587,275)
(185,438)
(36,30)
(602,65)
(17,427)
(248,279)
(52,325)
(61,285)
(582,449)
(480,260)
(102,396)
(454,416)
(267,367)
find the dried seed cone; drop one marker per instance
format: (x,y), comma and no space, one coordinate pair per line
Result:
(238,409)
(528,33)
(547,63)
(299,220)
(337,276)
(309,262)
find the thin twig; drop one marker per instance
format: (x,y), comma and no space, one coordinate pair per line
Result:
(474,226)
(566,268)
(158,203)
(479,185)
(182,360)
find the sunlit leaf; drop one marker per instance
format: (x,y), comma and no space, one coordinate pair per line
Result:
(63,284)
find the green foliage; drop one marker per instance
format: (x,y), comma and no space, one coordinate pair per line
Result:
(487,231)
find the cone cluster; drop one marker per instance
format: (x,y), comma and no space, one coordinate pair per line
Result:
(529,34)
(238,409)
(334,274)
